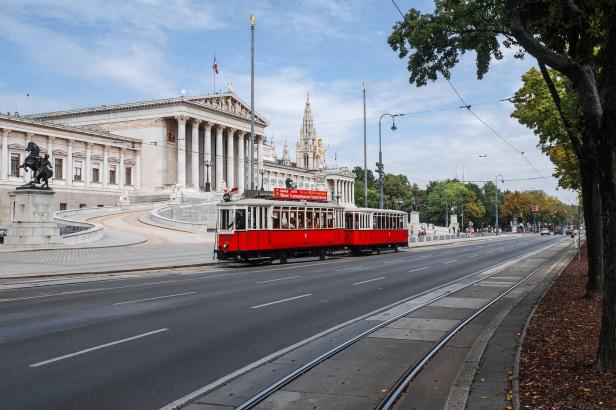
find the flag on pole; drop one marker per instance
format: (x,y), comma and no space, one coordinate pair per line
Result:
(215,66)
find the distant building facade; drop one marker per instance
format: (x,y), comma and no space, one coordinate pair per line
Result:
(145,148)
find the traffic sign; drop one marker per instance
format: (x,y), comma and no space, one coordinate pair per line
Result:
(534,208)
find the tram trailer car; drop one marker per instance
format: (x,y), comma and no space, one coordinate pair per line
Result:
(256,229)
(368,229)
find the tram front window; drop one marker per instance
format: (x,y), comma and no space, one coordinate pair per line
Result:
(240,219)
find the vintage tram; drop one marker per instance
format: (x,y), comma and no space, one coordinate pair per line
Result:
(268,228)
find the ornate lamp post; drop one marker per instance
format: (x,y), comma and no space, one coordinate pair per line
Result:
(208,186)
(379,165)
(262,172)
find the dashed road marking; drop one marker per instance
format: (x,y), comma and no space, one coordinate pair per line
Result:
(280,301)
(276,280)
(418,269)
(369,280)
(158,297)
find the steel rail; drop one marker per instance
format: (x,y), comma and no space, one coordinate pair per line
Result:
(394,394)
(263,394)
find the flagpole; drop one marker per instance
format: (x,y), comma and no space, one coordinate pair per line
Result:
(214,72)
(252,101)
(363,86)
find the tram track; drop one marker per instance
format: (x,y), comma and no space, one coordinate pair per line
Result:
(412,372)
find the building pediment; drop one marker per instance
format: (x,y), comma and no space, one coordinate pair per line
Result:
(59,152)
(17,146)
(228,103)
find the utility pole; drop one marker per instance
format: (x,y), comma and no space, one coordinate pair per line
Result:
(446,211)
(252,102)
(363,87)
(496,201)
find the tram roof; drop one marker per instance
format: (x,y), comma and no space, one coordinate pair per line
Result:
(376,210)
(275,202)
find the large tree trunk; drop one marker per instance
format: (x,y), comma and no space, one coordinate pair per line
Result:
(594,228)
(606,355)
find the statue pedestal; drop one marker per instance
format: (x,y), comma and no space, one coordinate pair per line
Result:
(414,218)
(453,218)
(32,219)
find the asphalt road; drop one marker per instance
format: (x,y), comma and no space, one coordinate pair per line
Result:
(141,343)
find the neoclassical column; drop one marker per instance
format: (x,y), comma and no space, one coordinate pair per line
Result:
(105,180)
(241,153)
(194,157)
(259,153)
(230,164)
(88,163)
(137,181)
(181,157)
(219,157)
(4,161)
(335,190)
(69,162)
(122,167)
(50,140)
(353,192)
(207,151)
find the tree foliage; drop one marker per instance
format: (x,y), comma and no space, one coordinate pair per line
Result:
(535,108)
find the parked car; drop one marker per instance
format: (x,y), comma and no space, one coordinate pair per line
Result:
(545,231)
(558,230)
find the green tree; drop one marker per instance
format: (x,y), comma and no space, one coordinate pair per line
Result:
(577,38)
(535,108)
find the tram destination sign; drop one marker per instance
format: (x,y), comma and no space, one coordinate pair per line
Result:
(306,194)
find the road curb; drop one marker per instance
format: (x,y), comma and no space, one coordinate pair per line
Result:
(107,272)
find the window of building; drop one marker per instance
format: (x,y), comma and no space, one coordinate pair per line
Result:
(62,206)
(58,171)
(77,171)
(82,205)
(15,164)
(128,180)
(112,174)
(100,205)
(96,173)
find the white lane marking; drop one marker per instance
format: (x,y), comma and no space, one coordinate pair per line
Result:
(76,292)
(369,280)
(418,269)
(276,280)
(280,301)
(396,260)
(351,268)
(91,349)
(158,297)
(472,256)
(451,261)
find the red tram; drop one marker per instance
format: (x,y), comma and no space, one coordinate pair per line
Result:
(258,228)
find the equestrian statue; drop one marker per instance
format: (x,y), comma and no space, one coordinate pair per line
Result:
(39,166)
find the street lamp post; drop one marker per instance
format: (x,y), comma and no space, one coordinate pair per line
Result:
(363,87)
(496,200)
(262,172)
(379,164)
(208,186)
(251,174)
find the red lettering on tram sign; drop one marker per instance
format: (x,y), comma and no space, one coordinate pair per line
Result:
(534,208)
(306,194)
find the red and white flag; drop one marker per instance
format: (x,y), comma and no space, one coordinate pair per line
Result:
(215,66)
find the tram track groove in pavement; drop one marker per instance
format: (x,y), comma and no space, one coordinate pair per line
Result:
(212,332)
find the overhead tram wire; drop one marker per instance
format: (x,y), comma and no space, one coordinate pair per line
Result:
(468,107)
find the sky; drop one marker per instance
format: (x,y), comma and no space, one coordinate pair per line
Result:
(66,54)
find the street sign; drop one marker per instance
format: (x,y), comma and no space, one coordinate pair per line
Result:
(307,194)
(534,208)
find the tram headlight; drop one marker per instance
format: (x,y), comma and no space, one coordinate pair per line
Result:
(226,245)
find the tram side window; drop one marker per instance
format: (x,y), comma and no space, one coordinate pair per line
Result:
(348,220)
(301,218)
(276,218)
(285,218)
(309,224)
(330,218)
(240,219)
(293,218)
(225,220)
(315,218)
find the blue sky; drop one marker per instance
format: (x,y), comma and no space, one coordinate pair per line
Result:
(69,54)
